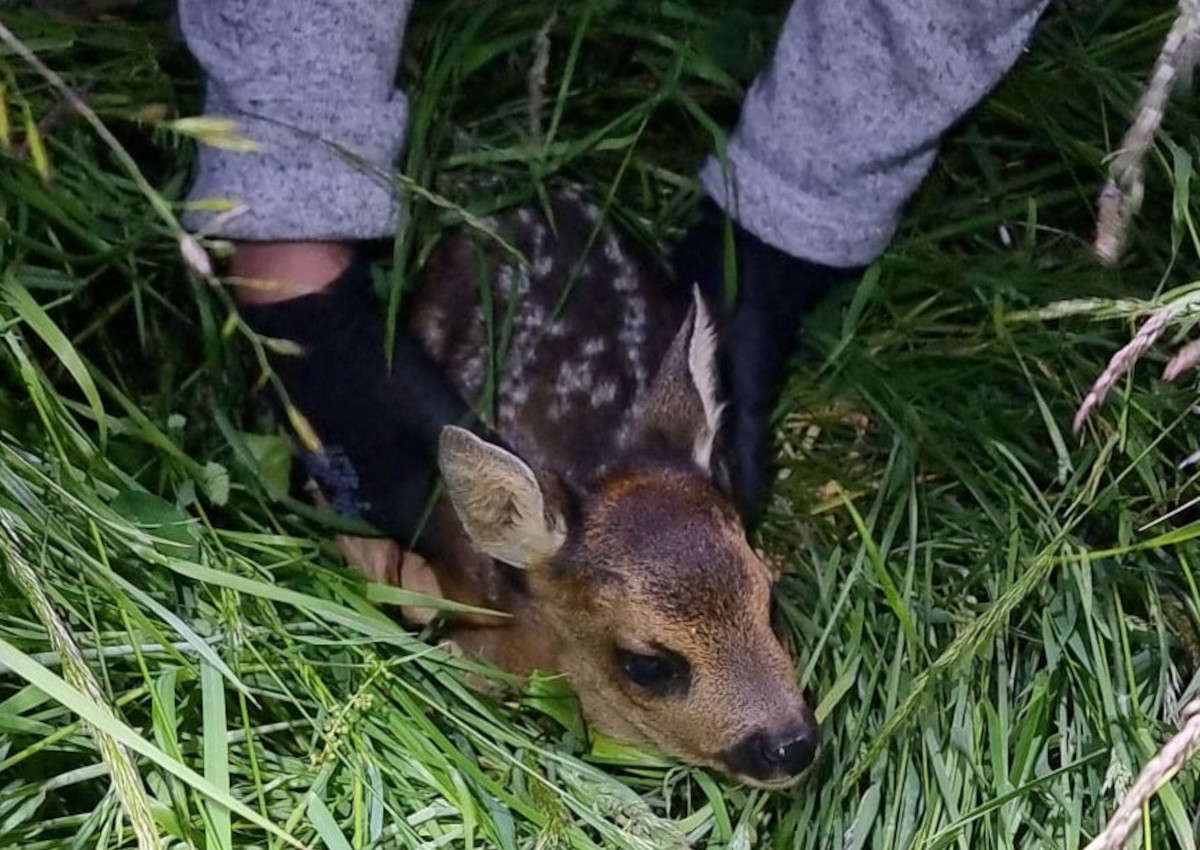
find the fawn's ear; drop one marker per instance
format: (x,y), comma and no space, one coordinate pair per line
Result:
(682,410)
(499,500)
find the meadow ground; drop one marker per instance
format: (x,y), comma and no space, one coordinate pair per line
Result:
(1000,620)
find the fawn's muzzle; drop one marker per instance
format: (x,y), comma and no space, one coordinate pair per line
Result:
(776,756)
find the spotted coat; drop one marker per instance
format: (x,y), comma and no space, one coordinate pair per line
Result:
(561,347)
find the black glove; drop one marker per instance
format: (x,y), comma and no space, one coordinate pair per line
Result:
(378,428)
(757,335)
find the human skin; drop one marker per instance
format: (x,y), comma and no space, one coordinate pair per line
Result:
(286,270)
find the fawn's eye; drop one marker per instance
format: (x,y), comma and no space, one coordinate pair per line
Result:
(663,672)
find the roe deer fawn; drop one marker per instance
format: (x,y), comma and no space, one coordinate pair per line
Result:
(601,528)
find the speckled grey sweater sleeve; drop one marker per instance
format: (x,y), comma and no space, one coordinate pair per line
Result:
(840,130)
(308,80)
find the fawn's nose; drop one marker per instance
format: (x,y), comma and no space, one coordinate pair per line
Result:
(790,754)
(772,756)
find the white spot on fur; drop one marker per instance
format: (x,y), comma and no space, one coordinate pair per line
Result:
(432,332)
(504,281)
(574,376)
(514,397)
(612,248)
(470,375)
(606,392)
(625,278)
(632,338)
(543,257)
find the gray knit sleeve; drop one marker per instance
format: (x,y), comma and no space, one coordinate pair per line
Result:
(838,133)
(312,82)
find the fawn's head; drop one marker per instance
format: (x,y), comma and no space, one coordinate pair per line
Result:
(660,611)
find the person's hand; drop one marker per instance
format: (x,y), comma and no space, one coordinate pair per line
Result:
(366,431)
(757,334)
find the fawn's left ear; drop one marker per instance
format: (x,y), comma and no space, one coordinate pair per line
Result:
(682,409)
(500,501)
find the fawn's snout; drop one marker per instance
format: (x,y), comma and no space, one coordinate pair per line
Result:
(775,756)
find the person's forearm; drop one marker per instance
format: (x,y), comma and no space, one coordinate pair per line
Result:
(312,84)
(839,131)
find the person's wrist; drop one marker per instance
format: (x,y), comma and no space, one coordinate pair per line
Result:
(270,272)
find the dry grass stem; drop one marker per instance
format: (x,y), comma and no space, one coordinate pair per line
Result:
(537,79)
(1154,775)
(1122,362)
(1184,359)
(1122,195)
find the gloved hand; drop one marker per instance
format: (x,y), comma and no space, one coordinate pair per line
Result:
(378,427)
(757,335)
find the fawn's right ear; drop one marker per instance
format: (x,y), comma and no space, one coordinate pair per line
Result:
(499,500)
(682,409)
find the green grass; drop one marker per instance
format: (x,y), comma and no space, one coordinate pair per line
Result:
(998,619)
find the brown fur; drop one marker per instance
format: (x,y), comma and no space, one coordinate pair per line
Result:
(615,534)
(677,573)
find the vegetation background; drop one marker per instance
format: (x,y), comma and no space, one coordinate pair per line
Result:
(1000,620)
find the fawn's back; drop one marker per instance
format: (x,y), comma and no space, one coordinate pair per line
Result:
(562,346)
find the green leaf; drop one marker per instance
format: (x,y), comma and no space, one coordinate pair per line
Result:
(552,695)
(216,483)
(40,323)
(274,459)
(216,755)
(325,825)
(177,534)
